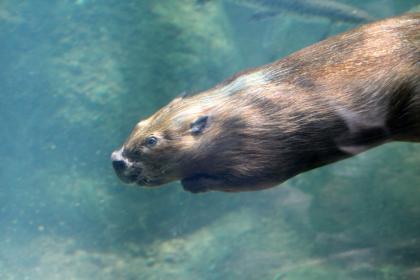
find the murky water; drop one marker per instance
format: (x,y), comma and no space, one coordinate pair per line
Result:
(76,75)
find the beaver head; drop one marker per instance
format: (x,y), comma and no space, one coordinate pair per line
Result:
(153,153)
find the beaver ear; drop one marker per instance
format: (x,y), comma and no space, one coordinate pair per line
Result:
(199,125)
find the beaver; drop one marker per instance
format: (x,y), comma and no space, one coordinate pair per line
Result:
(324,103)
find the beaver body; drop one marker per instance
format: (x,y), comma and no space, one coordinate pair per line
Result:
(327,102)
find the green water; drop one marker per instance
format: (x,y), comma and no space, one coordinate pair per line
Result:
(76,75)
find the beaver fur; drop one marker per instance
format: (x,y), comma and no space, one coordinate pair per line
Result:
(324,103)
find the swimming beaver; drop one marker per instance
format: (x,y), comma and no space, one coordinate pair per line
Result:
(255,130)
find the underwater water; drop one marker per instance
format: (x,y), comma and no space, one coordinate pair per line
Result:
(76,75)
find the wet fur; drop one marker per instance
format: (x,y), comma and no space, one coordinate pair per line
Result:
(324,103)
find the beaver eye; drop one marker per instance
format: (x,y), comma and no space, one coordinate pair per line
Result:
(151,141)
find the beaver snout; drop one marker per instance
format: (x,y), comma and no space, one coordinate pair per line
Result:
(119,165)
(124,169)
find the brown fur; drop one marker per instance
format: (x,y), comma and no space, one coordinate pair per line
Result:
(324,103)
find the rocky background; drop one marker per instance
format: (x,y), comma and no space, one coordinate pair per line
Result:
(76,75)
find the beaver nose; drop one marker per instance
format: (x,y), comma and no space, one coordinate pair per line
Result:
(124,169)
(119,165)
(118,162)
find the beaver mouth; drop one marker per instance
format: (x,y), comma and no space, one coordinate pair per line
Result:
(127,178)
(147,182)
